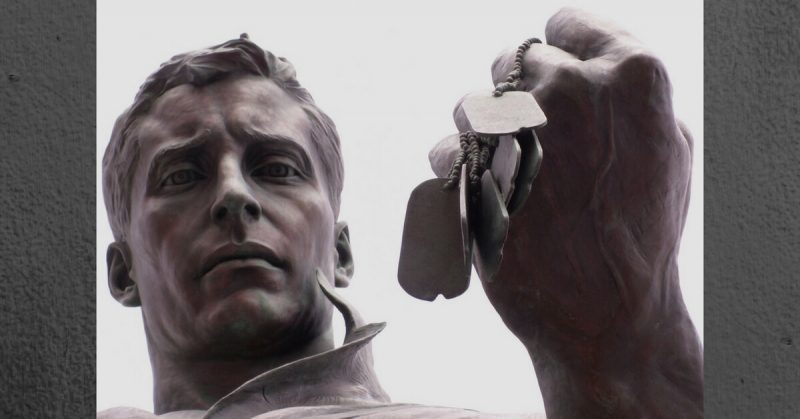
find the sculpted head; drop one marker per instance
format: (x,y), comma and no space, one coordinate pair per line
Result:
(222,183)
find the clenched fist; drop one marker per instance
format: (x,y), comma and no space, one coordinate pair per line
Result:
(589,278)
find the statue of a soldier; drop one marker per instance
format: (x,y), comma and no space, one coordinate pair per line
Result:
(222,183)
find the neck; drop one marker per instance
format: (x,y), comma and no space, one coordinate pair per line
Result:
(182,383)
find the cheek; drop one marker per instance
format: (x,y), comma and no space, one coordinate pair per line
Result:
(162,234)
(309,230)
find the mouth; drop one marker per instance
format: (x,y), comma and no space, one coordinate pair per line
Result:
(247,254)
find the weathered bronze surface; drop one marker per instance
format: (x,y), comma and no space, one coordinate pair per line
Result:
(499,115)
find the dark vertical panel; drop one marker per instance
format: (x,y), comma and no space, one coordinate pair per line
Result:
(47,208)
(752,206)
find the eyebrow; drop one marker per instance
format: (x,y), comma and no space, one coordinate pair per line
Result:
(171,152)
(255,137)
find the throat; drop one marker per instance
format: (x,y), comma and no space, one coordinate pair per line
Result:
(182,383)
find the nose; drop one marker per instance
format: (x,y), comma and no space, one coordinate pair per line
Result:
(234,201)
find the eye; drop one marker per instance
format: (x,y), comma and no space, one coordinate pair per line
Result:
(182,177)
(275,170)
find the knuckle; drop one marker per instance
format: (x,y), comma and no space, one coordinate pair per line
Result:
(564,17)
(502,65)
(639,63)
(572,80)
(570,73)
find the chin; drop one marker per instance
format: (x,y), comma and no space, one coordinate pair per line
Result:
(256,322)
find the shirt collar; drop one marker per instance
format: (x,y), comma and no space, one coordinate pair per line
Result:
(343,375)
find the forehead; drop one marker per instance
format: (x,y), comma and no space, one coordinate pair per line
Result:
(229,106)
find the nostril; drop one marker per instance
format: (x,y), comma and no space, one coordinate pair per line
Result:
(252,210)
(221,213)
(236,207)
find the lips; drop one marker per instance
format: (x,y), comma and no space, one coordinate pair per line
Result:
(253,252)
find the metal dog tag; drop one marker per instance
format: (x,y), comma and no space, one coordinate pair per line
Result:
(498,115)
(491,229)
(528,169)
(505,165)
(464,212)
(432,254)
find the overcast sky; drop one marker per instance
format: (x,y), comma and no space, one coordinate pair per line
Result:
(389,77)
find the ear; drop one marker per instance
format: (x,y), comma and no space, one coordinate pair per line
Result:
(344,256)
(120,281)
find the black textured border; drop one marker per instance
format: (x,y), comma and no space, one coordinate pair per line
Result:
(47,208)
(752,207)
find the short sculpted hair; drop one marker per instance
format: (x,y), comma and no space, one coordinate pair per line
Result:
(200,68)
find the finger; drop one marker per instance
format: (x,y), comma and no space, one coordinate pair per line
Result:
(687,135)
(460,118)
(443,154)
(587,36)
(548,66)
(540,62)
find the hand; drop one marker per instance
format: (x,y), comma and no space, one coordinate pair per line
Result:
(589,279)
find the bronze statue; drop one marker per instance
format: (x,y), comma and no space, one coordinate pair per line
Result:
(222,183)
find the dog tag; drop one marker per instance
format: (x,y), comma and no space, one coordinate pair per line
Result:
(491,229)
(432,254)
(464,212)
(505,165)
(498,115)
(528,169)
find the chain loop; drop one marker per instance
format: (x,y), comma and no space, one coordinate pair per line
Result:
(514,77)
(476,150)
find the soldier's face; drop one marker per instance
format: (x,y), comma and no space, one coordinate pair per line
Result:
(230,217)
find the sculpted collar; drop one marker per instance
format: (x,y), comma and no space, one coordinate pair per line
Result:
(343,375)
(339,383)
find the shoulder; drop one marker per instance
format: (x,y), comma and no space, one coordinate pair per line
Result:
(386,411)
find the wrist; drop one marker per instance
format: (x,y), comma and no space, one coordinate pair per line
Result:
(655,372)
